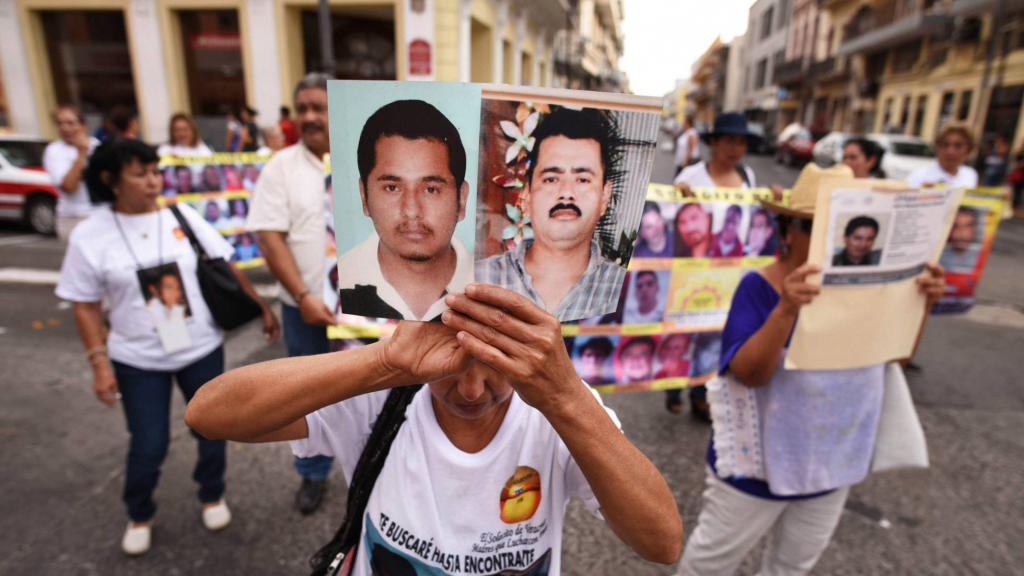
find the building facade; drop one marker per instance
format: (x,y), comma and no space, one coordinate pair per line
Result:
(766,39)
(207,57)
(587,51)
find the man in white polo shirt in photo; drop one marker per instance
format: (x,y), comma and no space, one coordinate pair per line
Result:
(287,214)
(64,160)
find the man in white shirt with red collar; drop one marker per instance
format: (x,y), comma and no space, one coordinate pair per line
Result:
(287,214)
(478,477)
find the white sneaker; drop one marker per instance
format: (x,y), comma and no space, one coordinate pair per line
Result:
(137,539)
(217,517)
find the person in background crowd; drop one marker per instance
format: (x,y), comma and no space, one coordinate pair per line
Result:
(954,144)
(249,136)
(1016,179)
(728,142)
(687,146)
(511,414)
(273,141)
(64,160)
(761,235)
(288,129)
(125,122)
(818,439)
(105,129)
(996,163)
(864,157)
(184,138)
(233,134)
(654,240)
(109,255)
(287,215)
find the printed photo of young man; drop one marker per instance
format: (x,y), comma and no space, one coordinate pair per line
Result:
(412,184)
(568,189)
(858,243)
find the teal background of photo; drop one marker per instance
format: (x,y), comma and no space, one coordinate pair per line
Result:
(351,103)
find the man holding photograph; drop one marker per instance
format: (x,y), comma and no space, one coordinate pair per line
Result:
(569,183)
(412,183)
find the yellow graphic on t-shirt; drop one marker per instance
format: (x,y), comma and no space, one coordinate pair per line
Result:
(520,497)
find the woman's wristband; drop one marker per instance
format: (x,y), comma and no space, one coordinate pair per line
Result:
(298,299)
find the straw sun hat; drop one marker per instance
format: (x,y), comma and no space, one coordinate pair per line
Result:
(804,194)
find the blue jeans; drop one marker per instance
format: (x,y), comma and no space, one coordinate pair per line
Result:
(301,339)
(146,398)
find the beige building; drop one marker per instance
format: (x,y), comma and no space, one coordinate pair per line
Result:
(910,66)
(587,54)
(209,56)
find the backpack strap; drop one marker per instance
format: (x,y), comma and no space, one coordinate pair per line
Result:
(371,462)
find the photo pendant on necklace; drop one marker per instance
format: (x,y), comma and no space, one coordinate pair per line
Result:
(167,304)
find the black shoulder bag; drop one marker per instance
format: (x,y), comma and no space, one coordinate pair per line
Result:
(228,303)
(340,552)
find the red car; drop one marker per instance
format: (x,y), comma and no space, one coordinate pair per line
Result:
(26,192)
(796,146)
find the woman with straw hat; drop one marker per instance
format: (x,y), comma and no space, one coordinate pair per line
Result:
(817,429)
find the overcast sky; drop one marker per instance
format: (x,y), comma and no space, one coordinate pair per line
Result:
(664,37)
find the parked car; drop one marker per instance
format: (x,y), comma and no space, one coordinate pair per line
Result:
(795,148)
(26,191)
(903,154)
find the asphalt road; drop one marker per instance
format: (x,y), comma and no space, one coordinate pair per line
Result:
(63,453)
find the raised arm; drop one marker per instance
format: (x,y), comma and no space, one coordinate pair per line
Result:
(515,337)
(269,401)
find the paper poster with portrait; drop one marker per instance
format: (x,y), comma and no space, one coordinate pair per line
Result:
(967,248)
(871,239)
(167,305)
(220,188)
(404,168)
(562,182)
(666,330)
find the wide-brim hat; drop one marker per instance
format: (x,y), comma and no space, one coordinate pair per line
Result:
(803,196)
(730,123)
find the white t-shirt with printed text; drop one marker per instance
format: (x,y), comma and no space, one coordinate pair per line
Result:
(441,511)
(98,263)
(58,158)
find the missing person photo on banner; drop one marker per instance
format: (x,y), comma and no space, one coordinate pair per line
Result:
(404,163)
(967,248)
(563,178)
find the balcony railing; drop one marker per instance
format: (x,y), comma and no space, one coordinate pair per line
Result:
(828,68)
(790,71)
(870,19)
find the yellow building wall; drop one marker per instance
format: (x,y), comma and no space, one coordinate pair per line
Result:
(446,40)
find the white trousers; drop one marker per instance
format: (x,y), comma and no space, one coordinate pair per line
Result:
(65,224)
(732,522)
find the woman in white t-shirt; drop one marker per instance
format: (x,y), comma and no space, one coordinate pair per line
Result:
(954,144)
(184,139)
(135,253)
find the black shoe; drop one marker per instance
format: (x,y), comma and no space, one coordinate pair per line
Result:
(912,367)
(310,495)
(700,410)
(673,404)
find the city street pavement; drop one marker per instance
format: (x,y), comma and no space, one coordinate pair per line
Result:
(64,453)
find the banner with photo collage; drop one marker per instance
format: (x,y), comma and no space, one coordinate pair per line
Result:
(689,257)
(970,240)
(220,188)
